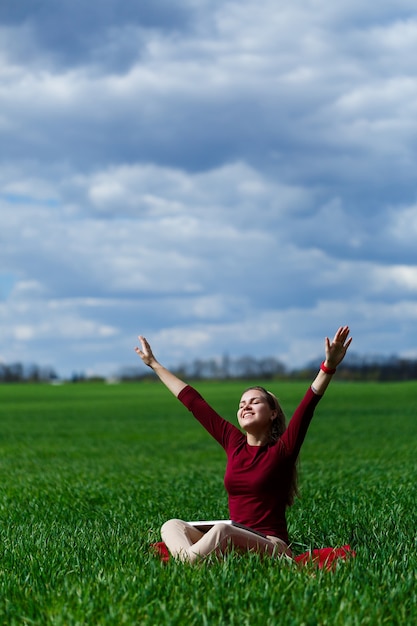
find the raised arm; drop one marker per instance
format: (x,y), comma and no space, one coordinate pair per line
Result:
(172,382)
(335,353)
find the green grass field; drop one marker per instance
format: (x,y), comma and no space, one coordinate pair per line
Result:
(89,472)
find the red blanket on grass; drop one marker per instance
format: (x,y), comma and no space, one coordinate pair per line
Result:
(323,558)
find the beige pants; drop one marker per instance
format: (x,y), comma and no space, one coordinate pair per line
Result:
(187,543)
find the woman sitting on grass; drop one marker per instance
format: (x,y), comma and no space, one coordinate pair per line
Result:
(260,474)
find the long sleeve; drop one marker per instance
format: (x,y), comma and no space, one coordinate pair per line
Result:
(296,430)
(225,433)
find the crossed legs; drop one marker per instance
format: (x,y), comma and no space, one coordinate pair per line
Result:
(187,543)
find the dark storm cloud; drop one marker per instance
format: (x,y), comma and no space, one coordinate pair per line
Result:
(73,33)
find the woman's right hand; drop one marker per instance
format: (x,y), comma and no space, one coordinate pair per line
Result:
(170,380)
(146,353)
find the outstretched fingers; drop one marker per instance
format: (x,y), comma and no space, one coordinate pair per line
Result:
(142,352)
(341,335)
(145,351)
(336,349)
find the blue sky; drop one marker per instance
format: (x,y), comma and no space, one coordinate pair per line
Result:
(223,177)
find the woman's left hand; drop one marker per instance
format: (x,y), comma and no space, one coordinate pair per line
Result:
(336,349)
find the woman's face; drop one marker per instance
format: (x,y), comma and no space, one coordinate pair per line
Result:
(254,412)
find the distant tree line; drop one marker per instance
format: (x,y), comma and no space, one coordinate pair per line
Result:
(354,367)
(361,368)
(18,372)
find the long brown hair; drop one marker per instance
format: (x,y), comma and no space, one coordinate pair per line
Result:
(278,426)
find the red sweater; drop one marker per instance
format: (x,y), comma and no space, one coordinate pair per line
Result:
(257,478)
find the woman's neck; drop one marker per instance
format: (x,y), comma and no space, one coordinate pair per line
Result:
(257,439)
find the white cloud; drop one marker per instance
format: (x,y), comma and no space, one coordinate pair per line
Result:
(398,280)
(231,192)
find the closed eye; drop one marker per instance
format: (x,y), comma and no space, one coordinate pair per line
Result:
(251,401)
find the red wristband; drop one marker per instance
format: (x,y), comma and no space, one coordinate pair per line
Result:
(327,370)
